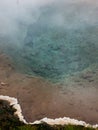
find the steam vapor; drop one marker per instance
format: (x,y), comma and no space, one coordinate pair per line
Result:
(60,32)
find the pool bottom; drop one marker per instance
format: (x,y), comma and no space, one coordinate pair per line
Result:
(76,97)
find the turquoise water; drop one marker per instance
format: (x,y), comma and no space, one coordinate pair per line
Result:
(57,44)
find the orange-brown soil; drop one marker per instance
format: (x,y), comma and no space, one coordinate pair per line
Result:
(75,98)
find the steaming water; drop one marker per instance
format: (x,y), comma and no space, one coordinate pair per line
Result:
(53,40)
(62,41)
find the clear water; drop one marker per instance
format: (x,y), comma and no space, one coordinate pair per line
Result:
(59,43)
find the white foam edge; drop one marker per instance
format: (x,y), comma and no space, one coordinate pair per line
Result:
(14,102)
(64,121)
(58,121)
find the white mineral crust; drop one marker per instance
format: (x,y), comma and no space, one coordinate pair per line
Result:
(57,121)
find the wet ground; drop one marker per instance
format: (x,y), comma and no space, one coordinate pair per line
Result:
(75,97)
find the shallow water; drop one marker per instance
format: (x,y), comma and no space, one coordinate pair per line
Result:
(62,46)
(62,41)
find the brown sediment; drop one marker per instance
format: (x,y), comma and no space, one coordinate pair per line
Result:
(76,98)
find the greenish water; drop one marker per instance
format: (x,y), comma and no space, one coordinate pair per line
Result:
(56,52)
(55,48)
